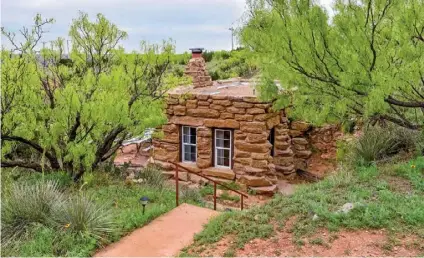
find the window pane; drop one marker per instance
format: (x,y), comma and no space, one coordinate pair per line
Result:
(186,130)
(219,143)
(227,134)
(220,134)
(193,131)
(227,143)
(226,154)
(226,162)
(220,153)
(189,153)
(185,138)
(193,139)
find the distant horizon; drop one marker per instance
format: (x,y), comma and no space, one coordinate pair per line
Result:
(189,23)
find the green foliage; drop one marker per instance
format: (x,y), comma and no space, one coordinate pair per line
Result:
(73,115)
(364,61)
(190,195)
(99,213)
(153,177)
(27,203)
(237,63)
(79,214)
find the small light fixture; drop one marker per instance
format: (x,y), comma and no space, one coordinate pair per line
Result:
(144,201)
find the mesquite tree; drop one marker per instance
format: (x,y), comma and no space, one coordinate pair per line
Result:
(71,113)
(365,60)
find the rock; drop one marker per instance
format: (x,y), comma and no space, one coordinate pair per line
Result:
(281,145)
(284,153)
(239,117)
(202,97)
(251,100)
(265,190)
(300,126)
(187,120)
(183,176)
(304,154)
(235,110)
(294,133)
(252,127)
(260,163)
(208,113)
(300,141)
(170,128)
(220,123)
(347,207)
(255,181)
(224,103)
(284,161)
(285,169)
(138,181)
(217,107)
(257,138)
(197,179)
(315,217)
(219,172)
(241,154)
(249,147)
(226,115)
(238,135)
(242,105)
(172,101)
(189,166)
(179,110)
(273,121)
(171,138)
(219,97)
(204,132)
(254,111)
(260,155)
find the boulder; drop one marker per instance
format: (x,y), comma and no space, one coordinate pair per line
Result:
(273,121)
(235,110)
(239,117)
(203,103)
(179,110)
(226,115)
(219,172)
(249,147)
(300,126)
(203,163)
(242,105)
(254,111)
(241,154)
(254,181)
(257,138)
(300,141)
(217,107)
(304,154)
(222,123)
(186,120)
(209,113)
(252,127)
(224,102)
(265,190)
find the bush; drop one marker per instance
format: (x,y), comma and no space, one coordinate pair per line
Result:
(80,214)
(378,143)
(25,203)
(190,194)
(152,176)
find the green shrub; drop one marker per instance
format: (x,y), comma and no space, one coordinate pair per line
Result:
(377,143)
(190,194)
(152,176)
(80,214)
(27,203)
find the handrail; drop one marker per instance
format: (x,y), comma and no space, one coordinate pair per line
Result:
(207,178)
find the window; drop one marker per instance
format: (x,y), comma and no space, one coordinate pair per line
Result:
(222,148)
(189,148)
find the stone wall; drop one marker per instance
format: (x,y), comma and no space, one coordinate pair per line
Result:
(251,121)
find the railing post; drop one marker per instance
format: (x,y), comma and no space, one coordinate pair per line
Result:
(214,195)
(241,201)
(176,186)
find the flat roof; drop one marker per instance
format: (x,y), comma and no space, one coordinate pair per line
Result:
(231,87)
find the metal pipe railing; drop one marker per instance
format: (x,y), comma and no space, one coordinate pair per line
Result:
(177,166)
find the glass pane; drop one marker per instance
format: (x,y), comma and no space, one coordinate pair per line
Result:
(220,161)
(193,131)
(227,134)
(226,162)
(220,134)
(185,138)
(193,139)
(220,153)
(186,130)
(219,143)
(193,157)
(226,154)
(227,143)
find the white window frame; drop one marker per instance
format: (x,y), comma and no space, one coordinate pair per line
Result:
(222,148)
(188,144)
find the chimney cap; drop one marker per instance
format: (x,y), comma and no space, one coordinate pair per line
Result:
(196,50)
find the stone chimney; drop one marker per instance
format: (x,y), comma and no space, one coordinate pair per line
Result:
(196,68)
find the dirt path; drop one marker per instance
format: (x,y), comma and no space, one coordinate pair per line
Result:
(165,236)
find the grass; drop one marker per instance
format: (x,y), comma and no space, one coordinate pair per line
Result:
(376,206)
(121,199)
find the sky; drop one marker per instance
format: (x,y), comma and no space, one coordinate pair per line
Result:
(189,23)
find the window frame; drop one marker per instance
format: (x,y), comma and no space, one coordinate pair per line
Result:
(188,144)
(215,148)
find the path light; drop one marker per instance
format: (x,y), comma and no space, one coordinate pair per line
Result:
(144,201)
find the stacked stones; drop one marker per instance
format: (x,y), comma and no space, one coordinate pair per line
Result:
(324,139)
(251,121)
(300,143)
(284,155)
(196,68)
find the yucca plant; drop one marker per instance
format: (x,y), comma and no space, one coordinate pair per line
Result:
(152,176)
(80,214)
(375,144)
(24,204)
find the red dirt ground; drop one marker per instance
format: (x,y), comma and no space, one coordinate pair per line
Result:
(375,243)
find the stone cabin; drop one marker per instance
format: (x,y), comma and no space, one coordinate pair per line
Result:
(221,129)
